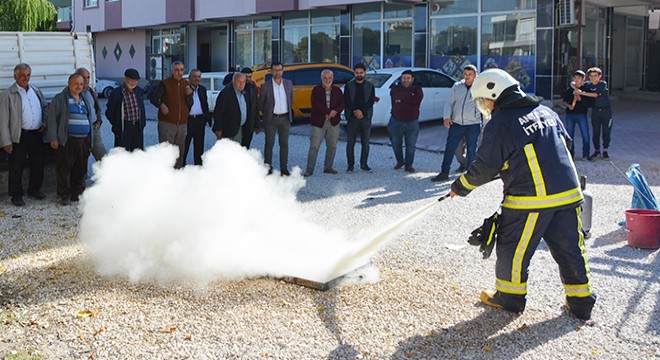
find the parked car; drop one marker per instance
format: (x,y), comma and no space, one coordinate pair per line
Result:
(304,78)
(104,87)
(435,84)
(212,81)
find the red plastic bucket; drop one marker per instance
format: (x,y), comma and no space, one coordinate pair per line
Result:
(643,227)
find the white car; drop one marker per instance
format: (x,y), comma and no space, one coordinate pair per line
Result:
(104,87)
(435,84)
(212,81)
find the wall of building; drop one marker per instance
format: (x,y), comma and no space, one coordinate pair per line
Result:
(92,17)
(223,9)
(143,13)
(114,54)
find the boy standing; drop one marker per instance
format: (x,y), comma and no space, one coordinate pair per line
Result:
(576,113)
(601,115)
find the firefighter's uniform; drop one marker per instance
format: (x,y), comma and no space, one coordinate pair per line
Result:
(525,143)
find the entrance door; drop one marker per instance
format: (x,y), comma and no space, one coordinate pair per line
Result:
(633,54)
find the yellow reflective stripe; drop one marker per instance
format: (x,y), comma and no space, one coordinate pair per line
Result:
(466,184)
(535,169)
(519,256)
(580,290)
(506,165)
(543,202)
(511,288)
(583,249)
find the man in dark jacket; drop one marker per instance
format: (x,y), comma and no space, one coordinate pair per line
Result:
(359,96)
(252,96)
(327,104)
(126,113)
(231,110)
(525,143)
(198,118)
(404,123)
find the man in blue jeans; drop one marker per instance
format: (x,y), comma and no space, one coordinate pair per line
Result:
(576,113)
(404,123)
(463,119)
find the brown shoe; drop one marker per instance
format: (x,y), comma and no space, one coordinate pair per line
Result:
(307,173)
(398,166)
(410,169)
(330,171)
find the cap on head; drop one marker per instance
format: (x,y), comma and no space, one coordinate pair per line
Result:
(246,70)
(132,74)
(580,72)
(470,67)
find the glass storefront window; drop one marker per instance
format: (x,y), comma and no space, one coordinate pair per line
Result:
(325,16)
(450,7)
(253,43)
(366,44)
(508,42)
(397,36)
(243,48)
(262,47)
(295,45)
(370,11)
(325,44)
(296,18)
(393,11)
(505,5)
(453,44)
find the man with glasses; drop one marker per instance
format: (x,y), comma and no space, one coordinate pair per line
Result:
(173,98)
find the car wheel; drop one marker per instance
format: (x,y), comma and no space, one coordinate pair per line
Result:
(106,92)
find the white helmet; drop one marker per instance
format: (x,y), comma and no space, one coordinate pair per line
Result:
(489,85)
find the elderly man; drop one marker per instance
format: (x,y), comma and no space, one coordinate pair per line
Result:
(231,110)
(126,112)
(98,151)
(252,96)
(327,104)
(173,98)
(198,118)
(69,132)
(22,117)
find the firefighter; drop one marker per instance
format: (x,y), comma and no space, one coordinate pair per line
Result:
(526,144)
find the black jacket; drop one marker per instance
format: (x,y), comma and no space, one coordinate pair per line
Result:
(203,98)
(114,111)
(227,113)
(252,97)
(526,144)
(349,99)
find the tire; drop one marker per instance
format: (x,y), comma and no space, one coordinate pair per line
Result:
(106,92)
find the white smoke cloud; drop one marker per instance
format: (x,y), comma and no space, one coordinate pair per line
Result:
(226,220)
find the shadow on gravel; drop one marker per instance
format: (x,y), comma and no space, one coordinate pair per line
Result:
(327,313)
(625,263)
(613,238)
(476,338)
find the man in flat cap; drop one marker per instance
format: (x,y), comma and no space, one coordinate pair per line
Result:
(126,112)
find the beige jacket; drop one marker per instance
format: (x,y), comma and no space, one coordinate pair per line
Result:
(11,114)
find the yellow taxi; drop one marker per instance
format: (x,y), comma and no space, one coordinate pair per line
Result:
(304,77)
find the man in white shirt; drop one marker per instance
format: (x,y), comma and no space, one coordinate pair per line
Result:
(276,103)
(22,116)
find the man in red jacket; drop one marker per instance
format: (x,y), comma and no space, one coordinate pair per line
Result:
(404,123)
(327,104)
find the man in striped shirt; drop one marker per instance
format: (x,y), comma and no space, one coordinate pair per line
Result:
(69,132)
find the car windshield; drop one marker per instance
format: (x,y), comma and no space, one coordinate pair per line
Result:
(378,79)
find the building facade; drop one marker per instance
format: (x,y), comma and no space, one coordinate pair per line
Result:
(540,42)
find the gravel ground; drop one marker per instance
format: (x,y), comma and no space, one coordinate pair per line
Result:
(423,304)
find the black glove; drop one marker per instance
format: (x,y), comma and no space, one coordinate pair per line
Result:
(485,236)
